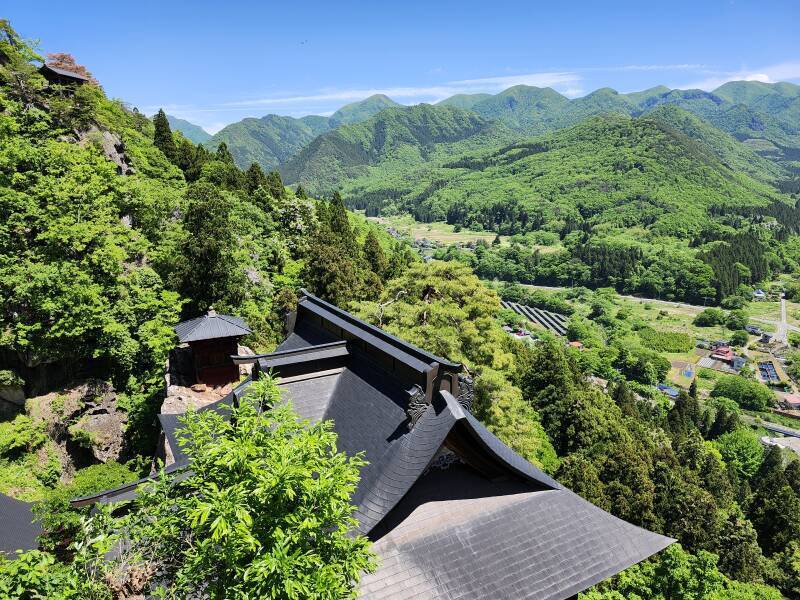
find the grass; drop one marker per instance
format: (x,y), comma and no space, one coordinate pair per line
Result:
(436,232)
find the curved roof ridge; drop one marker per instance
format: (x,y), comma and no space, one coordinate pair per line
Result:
(388,479)
(378,332)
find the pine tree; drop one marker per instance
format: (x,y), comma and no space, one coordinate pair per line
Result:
(162,137)
(254,178)
(207,271)
(374,255)
(300,192)
(275,185)
(693,388)
(223,154)
(339,223)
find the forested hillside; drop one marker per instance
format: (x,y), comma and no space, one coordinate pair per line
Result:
(405,136)
(271,140)
(112,229)
(193,133)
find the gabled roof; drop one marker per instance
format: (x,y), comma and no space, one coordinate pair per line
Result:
(19,531)
(64,72)
(211,326)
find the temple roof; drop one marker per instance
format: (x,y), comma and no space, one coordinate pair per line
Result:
(19,531)
(64,72)
(453,512)
(211,326)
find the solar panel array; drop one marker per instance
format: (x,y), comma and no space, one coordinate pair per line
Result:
(549,320)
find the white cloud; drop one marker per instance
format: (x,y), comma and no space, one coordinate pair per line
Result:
(432,93)
(571,82)
(770,74)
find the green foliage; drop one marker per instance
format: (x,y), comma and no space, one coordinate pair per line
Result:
(666,341)
(265,511)
(207,270)
(741,450)
(20,435)
(445,309)
(709,317)
(59,520)
(162,136)
(501,408)
(739,338)
(747,393)
(674,574)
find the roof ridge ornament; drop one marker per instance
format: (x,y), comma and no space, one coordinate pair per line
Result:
(417,405)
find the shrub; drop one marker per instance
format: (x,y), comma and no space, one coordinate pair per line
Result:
(58,518)
(709,318)
(19,435)
(742,450)
(739,338)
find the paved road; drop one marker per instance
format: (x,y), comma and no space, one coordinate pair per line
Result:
(788,431)
(782,327)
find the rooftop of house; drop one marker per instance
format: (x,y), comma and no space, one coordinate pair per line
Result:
(452,511)
(211,326)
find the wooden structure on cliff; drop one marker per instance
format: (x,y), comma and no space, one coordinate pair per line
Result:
(213,339)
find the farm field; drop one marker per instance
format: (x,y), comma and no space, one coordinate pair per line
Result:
(446,234)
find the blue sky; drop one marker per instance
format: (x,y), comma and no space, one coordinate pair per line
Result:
(217,62)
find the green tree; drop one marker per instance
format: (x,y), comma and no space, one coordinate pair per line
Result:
(162,136)
(254,178)
(207,271)
(374,255)
(742,450)
(265,511)
(739,338)
(747,393)
(223,154)
(275,185)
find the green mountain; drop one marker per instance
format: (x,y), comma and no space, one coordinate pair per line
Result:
(190,131)
(732,154)
(528,109)
(408,135)
(271,140)
(464,101)
(661,172)
(268,141)
(362,110)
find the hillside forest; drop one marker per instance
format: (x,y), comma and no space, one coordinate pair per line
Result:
(115,226)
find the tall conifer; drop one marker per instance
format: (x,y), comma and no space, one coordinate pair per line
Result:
(162,137)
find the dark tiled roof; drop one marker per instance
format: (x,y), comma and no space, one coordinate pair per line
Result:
(65,73)
(454,513)
(458,535)
(211,326)
(18,531)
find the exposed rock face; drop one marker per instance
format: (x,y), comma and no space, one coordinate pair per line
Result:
(245,370)
(111,145)
(85,415)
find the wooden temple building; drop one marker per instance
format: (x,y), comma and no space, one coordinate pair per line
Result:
(452,511)
(59,76)
(212,340)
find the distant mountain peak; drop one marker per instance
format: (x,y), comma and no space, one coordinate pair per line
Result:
(193,133)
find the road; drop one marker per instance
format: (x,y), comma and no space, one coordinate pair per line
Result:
(782,327)
(787,431)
